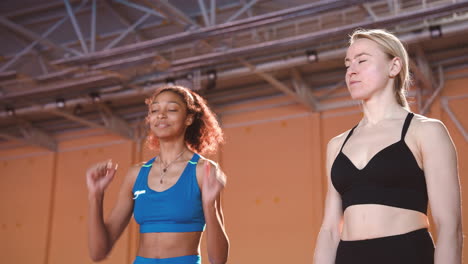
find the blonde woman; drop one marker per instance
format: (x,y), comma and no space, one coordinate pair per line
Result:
(383,173)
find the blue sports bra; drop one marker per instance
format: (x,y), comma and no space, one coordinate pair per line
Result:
(392,177)
(177,209)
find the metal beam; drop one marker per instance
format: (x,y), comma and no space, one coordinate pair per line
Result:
(158,62)
(330,90)
(436,92)
(51,17)
(369,10)
(410,37)
(445,105)
(51,107)
(229,74)
(420,76)
(454,60)
(277,84)
(32,35)
(76,26)
(229,28)
(8,136)
(36,136)
(423,65)
(44,69)
(141,8)
(93,27)
(123,19)
(44,35)
(39,54)
(302,89)
(280,64)
(7,76)
(36,8)
(112,124)
(203,60)
(57,75)
(201,4)
(171,9)
(307,39)
(115,123)
(213,12)
(75,118)
(255,35)
(123,62)
(26,42)
(126,32)
(74,82)
(241,11)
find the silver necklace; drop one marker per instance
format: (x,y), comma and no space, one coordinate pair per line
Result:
(162,171)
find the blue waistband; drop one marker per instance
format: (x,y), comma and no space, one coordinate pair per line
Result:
(192,259)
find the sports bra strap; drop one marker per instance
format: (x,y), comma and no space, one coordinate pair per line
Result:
(406,125)
(347,137)
(149,163)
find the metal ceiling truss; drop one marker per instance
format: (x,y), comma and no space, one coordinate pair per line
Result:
(161,40)
(445,102)
(31,135)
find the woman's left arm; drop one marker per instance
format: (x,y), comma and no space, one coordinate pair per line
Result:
(440,167)
(217,240)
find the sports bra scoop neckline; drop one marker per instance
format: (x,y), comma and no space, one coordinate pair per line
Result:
(391,177)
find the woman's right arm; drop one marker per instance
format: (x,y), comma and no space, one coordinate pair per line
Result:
(102,235)
(329,235)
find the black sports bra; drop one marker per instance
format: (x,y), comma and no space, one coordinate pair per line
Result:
(392,177)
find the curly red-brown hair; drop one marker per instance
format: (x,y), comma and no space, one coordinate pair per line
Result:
(204,134)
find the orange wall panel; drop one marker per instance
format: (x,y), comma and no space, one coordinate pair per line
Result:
(271,191)
(69,228)
(25,192)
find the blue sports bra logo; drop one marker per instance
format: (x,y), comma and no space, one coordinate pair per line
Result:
(137,193)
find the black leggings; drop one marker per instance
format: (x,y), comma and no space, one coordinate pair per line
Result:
(415,247)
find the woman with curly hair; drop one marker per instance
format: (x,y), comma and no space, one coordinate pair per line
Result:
(174,195)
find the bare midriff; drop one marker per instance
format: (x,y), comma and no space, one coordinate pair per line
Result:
(168,245)
(367,221)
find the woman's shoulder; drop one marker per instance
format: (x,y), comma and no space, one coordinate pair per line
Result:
(336,142)
(135,168)
(208,166)
(426,123)
(428,128)
(206,162)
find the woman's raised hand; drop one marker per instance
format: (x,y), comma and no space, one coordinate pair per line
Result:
(99,176)
(213,182)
